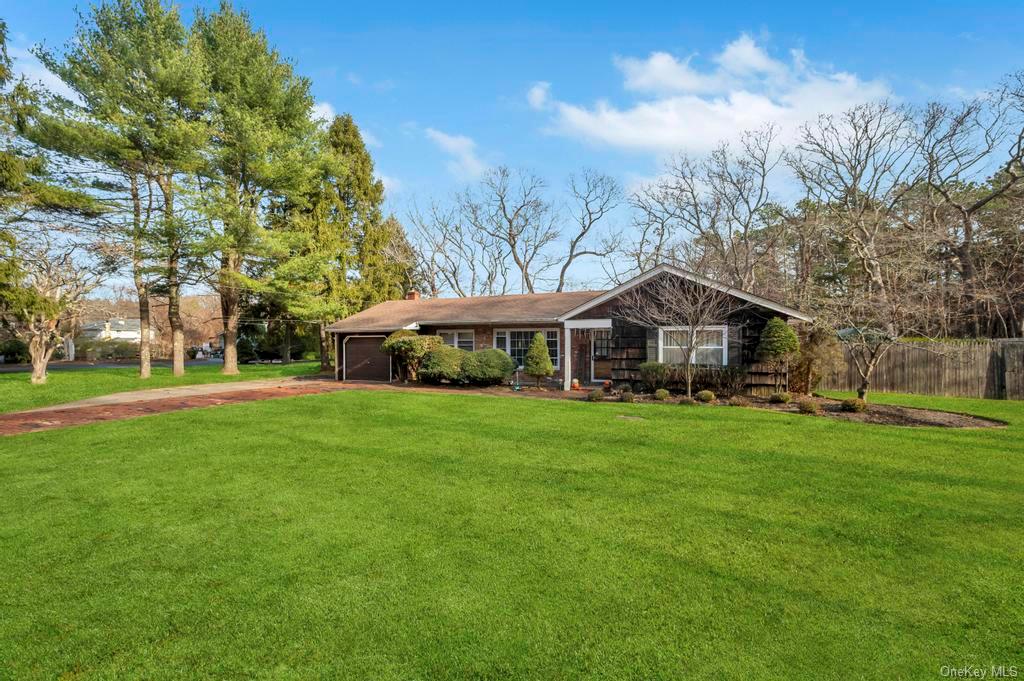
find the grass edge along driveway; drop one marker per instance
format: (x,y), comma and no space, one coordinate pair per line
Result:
(69,385)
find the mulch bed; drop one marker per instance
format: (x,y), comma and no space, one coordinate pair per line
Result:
(886,414)
(878,414)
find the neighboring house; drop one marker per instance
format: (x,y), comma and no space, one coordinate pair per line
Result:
(128,330)
(588,337)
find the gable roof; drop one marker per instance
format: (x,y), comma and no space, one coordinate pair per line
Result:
(694,277)
(514,309)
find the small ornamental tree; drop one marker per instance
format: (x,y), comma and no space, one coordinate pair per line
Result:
(538,361)
(410,348)
(779,344)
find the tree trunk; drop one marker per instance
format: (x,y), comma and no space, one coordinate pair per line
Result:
(145,353)
(173,278)
(286,348)
(40,351)
(230,312)
(174,316)
(140,282)
(325,352)
(862,391)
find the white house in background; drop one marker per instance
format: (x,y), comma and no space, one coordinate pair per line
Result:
(128,330)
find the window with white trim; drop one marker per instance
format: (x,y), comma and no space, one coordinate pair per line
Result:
(710,345)
(462,339)
(517,341)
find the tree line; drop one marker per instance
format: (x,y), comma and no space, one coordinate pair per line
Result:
(183,156)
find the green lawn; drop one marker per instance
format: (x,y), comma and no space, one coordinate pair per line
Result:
(67,385)
(371,535)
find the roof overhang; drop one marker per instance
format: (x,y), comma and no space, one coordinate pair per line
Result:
(691,276)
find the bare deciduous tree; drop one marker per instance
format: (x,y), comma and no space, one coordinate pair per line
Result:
(454,256)
(510,207)
(691,307)
(721,204)
(57,283)
(594,195)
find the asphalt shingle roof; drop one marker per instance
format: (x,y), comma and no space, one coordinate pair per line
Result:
(515,309)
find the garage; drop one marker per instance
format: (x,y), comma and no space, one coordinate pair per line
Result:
(363,359)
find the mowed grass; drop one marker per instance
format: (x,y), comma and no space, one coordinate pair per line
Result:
(372,535)
(68,385)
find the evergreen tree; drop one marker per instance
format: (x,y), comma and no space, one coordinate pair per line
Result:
(142,93)
(262,129)
(778,346)
(538,361)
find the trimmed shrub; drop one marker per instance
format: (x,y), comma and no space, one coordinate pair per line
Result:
(778,346)
(15,351)
(538,362)
(705,396)
(807,406)
(596,395)
(661,394)
(626,396)
(687,400)
(411,349)
(854,405)
(738,401)
(780,398)
(487,367)
(443,363)
(626,388)
(655,375)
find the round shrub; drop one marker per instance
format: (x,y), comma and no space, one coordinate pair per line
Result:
(14,351)
(487,367)
(687,400)
(807,406)
(627,388)
(411,349)
(626,396)
(780,398)
(738,401)
(443,363)
(854,405)
(705,396)
(595,395)
(661,394)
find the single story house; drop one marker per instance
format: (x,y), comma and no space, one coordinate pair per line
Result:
(118,329)
(589,337)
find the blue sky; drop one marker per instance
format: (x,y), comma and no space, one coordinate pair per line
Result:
(446,90)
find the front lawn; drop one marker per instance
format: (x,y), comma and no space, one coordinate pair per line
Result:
(68,385)
(376,535)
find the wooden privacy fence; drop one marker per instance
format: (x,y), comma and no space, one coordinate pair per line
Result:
(984,368)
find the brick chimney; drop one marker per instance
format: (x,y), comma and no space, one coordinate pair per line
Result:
(412,295)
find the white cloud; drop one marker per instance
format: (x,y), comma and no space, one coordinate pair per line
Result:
(464,163)
(683,108)
(26,64)
(538,95)
(353,78)
(324,112)
(392,185)
(370,139)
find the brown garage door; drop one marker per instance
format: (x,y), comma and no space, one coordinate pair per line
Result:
(364,361)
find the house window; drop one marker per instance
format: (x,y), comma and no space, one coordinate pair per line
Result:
(461,339)
(517,342)
(602,343)
(710,347)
